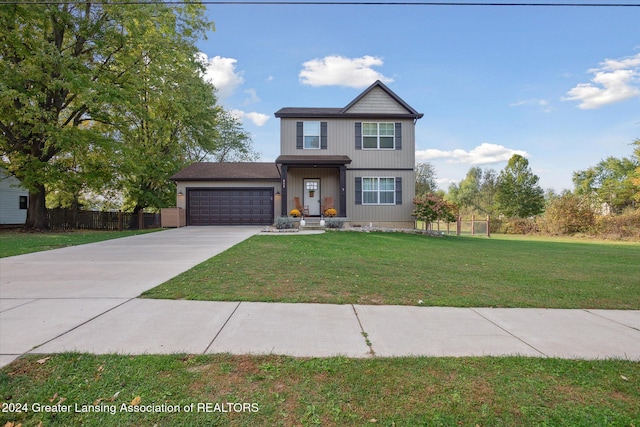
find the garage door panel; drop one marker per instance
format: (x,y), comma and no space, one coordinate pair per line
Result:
(230,206)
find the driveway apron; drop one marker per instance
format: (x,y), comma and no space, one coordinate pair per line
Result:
(46,294)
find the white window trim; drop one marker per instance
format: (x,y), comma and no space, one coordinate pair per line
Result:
(378,136)
(304,136)
(378,191)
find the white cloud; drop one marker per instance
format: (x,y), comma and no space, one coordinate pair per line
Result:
(258,119)
(252,97)
(483,154)
(337,70)
(614,80)
(543,104)
(221,72)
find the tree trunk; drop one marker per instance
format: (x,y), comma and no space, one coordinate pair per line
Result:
(134,223)
(37,211)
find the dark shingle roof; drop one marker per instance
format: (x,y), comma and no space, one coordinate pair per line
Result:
(307,112)
(291,112)
(312,160)
(204,171)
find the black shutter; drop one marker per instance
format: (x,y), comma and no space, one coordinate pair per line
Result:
(358,136)
(323,135)
(398,190)
(358,190)
(398,136)
(299,135)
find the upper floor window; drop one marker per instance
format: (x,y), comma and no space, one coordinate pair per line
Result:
(311,135)
(377,136)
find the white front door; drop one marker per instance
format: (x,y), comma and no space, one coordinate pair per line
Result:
(312,196)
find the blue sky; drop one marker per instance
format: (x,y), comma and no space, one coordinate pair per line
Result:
(558,85)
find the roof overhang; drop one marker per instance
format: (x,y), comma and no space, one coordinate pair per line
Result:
(291,160)
(346,116)
(233,171)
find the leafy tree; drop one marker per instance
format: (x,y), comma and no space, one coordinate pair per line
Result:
(635,181)
(432,207)
(66,70)
(517,191)
(174,121)
(614,182)
(476,192)
(425,178)
(233,143)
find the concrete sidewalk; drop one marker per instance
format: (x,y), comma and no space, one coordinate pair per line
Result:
(138,326)
(84,299)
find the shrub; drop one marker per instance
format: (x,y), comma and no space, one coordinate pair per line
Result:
(625,225)
(294,213)
(432,207)
(334,222)
(518,226)
(284,223)
(567,214)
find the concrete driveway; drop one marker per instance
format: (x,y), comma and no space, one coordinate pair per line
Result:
(45,294)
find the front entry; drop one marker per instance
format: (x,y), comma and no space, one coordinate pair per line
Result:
(312,196)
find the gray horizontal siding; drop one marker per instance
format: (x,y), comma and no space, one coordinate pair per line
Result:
(340,141)
(382,213)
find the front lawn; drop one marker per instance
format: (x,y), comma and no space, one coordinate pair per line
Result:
(20,242)
(395,268)
(276,390)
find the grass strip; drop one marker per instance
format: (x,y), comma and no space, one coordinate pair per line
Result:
(396,268)
(20,242)
(278,390)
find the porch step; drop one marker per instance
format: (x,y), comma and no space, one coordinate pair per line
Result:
(312,224)
(312,227)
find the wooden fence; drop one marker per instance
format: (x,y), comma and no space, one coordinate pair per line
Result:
(474,226)
(67,219)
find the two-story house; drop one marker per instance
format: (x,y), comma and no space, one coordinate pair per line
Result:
(358,159)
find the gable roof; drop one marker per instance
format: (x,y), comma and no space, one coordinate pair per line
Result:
(291,112)
(392,94)
(231,171)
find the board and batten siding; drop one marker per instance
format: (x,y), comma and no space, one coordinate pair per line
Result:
(10,193)
(340,141)
(377,102)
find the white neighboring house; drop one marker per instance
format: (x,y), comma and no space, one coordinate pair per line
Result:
(14,200)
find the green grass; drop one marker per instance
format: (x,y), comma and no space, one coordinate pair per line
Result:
(20,242)
(330,392)
(395,268)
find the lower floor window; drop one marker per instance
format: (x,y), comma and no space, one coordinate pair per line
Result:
(378,191)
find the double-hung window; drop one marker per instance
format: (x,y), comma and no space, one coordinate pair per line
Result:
(378,191)
(378,136)
(311,135)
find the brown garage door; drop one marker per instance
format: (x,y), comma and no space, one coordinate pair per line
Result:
(230,206)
